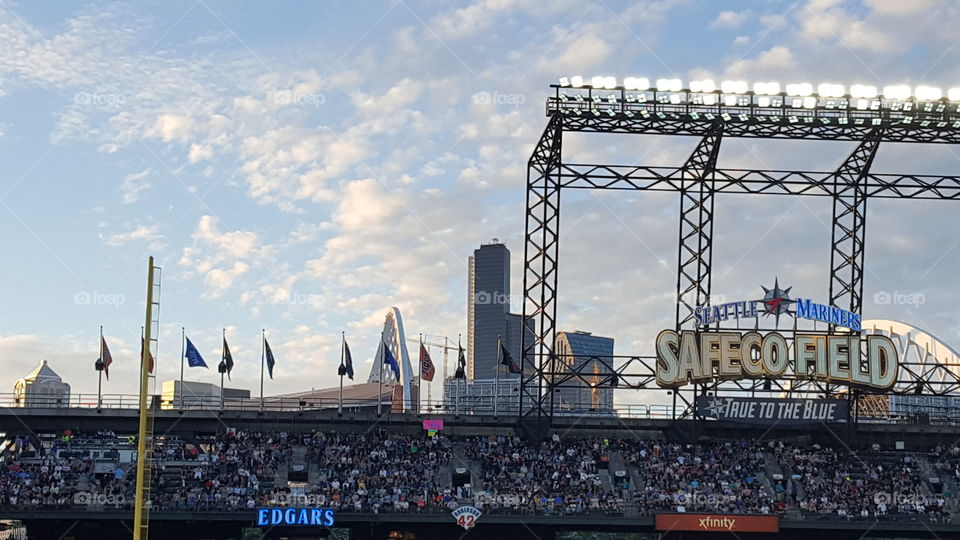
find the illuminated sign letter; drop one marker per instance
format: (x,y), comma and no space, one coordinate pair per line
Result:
(883,361)
(668,367)
(750,355)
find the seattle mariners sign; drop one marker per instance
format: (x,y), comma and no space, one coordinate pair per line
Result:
(690,357)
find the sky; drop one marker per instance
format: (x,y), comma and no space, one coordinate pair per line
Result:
(300,167)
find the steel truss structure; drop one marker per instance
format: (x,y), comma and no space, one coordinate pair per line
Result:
(698,181)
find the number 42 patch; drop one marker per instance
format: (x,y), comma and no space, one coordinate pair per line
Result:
(467,516)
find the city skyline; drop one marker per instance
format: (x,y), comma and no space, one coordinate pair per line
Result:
(303,173)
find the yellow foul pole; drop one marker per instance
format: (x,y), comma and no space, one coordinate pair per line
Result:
(144,437)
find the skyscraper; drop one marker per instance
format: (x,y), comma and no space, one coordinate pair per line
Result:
(488,303)
(592,358)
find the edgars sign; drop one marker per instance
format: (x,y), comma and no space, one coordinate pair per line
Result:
(294,517)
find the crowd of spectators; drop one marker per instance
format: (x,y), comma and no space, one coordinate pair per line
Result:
(384,472)
(376,472)
(558,478)
(709,477)
(865,484)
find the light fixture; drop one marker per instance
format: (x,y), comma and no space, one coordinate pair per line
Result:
(576,81)
(669,85)
(953,94)
(830,90)
(706,86)
(609,82)
(564,81)
(863,91)
(899,92)
(630,83)
(675,99)
(928,93)
(730,100)
(596,82)
(766,88)
(809,102)
(733,87)
(710,99)
(799,89)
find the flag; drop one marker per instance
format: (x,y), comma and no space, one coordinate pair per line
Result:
(389,360)
(227,357)
(347,360)
(150,362)
(106,359)
(193,356)
(461,364)
(507,360)
(270,359)
(427,369)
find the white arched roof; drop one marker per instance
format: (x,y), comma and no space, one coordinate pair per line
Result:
(922,356)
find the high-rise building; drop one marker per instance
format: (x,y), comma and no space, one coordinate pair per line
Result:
(488,303)
(592,358)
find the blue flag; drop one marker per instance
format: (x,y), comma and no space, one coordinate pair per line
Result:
(270,360)
(391,361)
(193,356)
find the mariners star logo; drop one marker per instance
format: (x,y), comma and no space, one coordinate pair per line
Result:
(776,301)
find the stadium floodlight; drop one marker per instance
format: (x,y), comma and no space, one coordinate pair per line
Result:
(928,93)
(630,83)
(799,89)
(610,83)
(733,87)
(564,81)
(669,85)
(675,99)
(576,81)
(863,91)
(809,102)
(730,100)
(830,90)
(900,92)
(596,82)
(766,88)
(705,86)
(953,94)
(710,99)
(763,101)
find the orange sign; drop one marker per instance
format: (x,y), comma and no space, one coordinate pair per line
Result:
(717,522)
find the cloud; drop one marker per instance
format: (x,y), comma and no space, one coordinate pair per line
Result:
(731,19)
(142,232)
(133,184)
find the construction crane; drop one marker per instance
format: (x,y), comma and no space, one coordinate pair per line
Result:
(441,342)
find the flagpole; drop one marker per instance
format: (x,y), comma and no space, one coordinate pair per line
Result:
(456,375)
(420,383)
(223,360)
(183,354)
(263,361)
(341,371)
(496,379)
(100,376)
(383,353)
